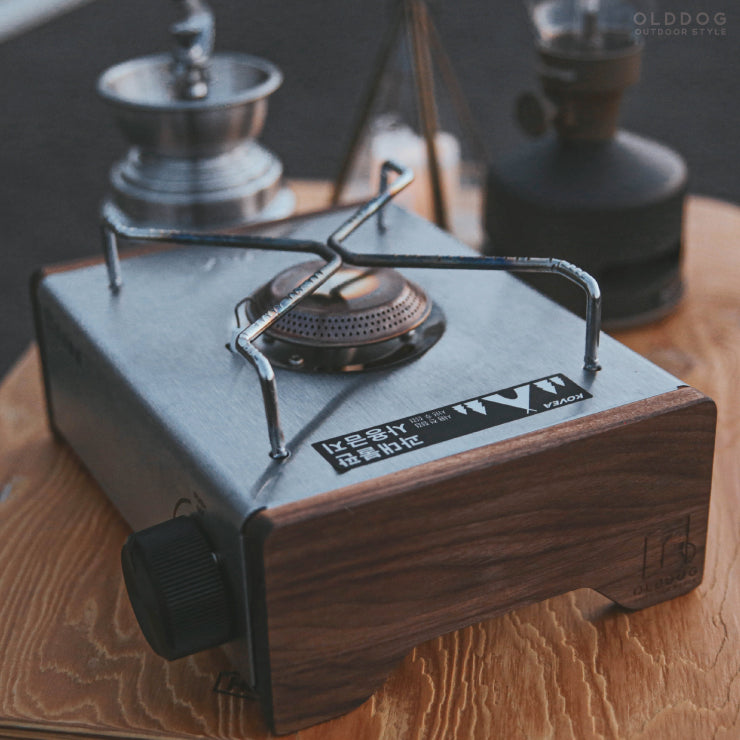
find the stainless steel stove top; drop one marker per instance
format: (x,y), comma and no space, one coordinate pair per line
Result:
(162,338)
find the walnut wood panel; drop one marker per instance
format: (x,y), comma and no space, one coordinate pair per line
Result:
(356,578)
(73,664)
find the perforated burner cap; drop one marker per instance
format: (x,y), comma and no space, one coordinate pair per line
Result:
(356,306)
(359,318)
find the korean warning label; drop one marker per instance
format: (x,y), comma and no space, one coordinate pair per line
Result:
(448,422)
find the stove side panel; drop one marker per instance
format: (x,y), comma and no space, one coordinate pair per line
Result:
(352,580)
(141,468)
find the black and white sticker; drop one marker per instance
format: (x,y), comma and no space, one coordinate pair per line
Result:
(448,422)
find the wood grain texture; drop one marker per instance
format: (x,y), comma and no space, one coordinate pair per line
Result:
(74,665)
(354,579)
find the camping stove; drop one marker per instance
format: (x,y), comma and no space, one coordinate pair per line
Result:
(441,449)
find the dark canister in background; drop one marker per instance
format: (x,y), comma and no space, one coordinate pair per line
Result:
(604,198)
(192,118)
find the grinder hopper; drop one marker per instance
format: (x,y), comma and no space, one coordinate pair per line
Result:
(192,119)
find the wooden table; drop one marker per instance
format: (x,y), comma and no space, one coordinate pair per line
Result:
(73,663)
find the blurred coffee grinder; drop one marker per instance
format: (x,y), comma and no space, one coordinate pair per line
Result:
(606,199)
(191,118)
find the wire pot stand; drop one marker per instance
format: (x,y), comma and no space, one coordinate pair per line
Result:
(335,254)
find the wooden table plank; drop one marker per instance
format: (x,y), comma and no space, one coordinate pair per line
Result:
(75,665)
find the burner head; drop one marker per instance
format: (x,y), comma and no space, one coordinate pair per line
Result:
(355,307)
(359,319)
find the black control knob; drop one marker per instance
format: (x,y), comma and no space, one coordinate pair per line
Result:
(178,588)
